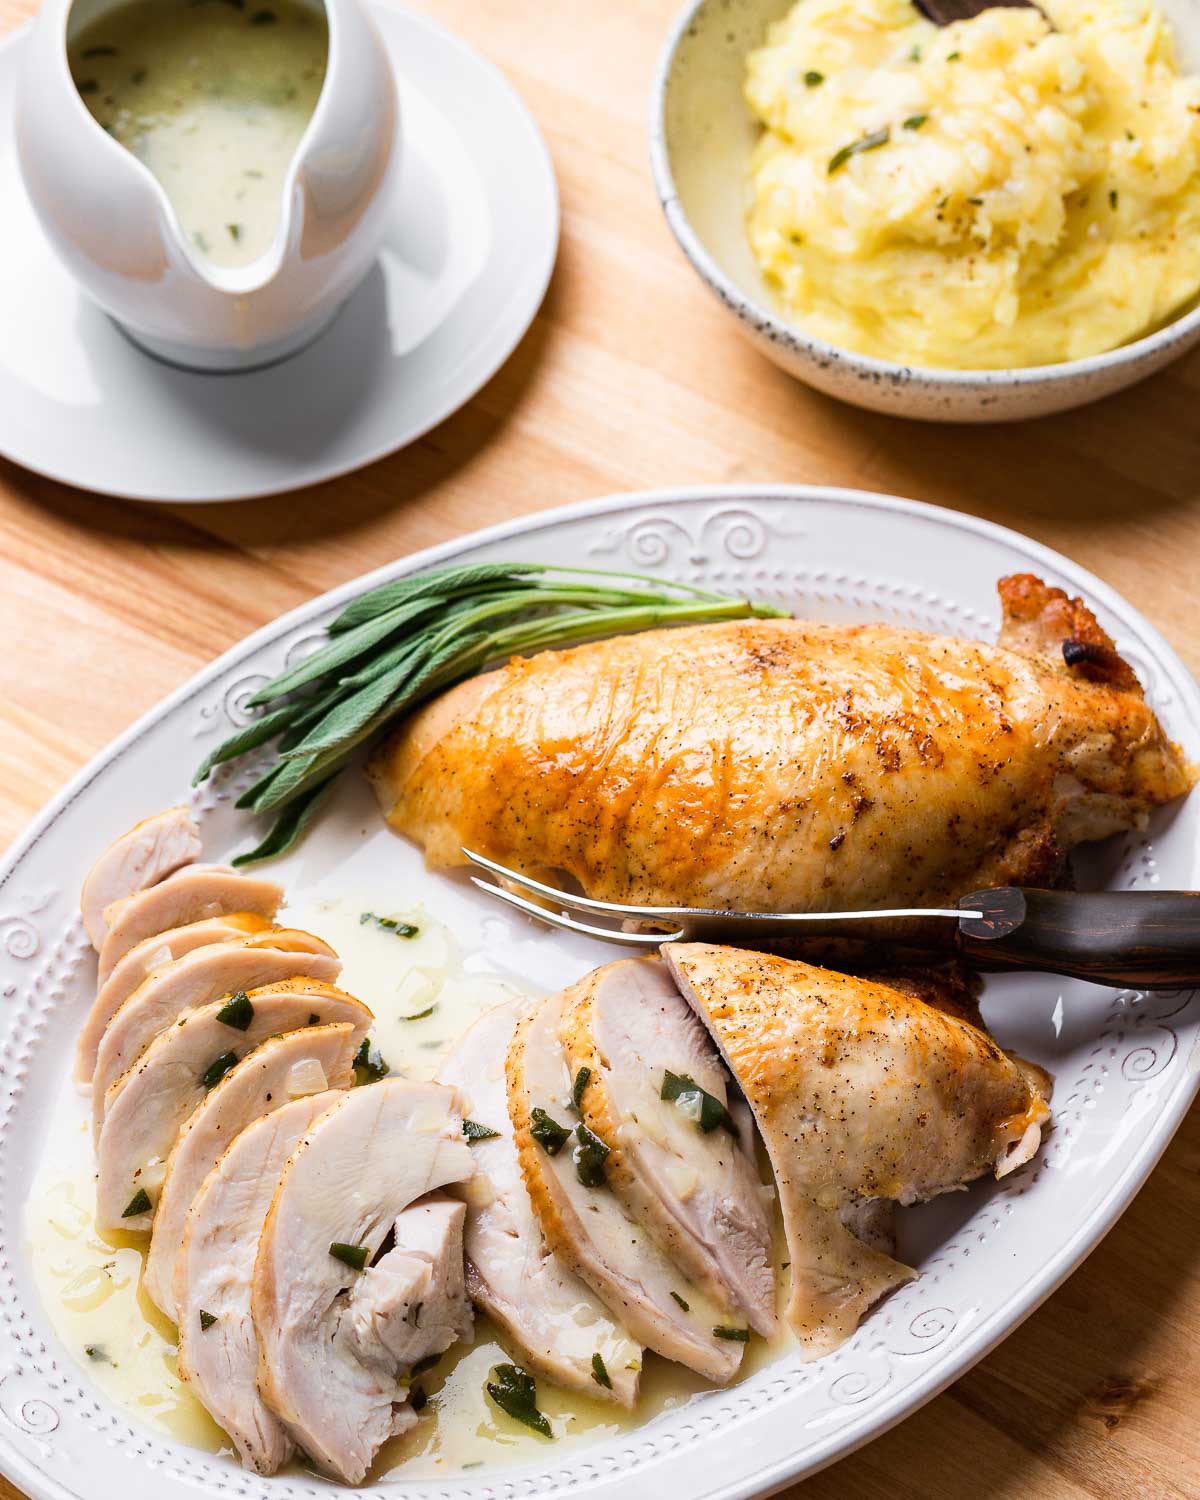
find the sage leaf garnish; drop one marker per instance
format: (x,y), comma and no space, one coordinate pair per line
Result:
(577,1088)
(515,1393)
(354,1256)
(474,1131)
(870,142)
(696,1103)
(369,1063)
(548,1133)
(138,1204)
(390,924)
(687,1307)
(401,643)
(600,1373)
(218,1068)
(589,1156)
(238,1011)
(207,1320)
(736,1335)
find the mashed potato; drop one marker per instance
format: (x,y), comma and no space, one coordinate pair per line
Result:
(979,196)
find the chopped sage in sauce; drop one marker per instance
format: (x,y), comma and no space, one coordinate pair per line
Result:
(424,1364)
(687,1307)
(474,1131)
(736,1335)
(207,1320)
(548,1133)
(813,79)
(419,1015)
(577,1088)
(238,1011)
(515,1393)
(369,1064)
(589,1157)
(354,1256)
(390,924)
(599,1373)
(696,1103)
(138,1204)
(914,122)
(870,142)
(218,1068)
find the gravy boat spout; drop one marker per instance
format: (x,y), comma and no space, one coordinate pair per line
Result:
(112,222)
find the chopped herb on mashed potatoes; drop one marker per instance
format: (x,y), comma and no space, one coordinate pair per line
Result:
(990,194)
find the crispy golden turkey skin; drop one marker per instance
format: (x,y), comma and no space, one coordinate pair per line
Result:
(785,765)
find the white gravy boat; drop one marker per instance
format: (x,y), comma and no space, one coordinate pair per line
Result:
(112,224)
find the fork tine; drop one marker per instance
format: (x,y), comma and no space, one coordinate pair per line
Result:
(568,924)
(567,898)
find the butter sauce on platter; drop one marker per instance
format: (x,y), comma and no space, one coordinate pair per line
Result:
(825,555)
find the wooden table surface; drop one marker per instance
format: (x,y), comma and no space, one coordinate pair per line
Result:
(631,377)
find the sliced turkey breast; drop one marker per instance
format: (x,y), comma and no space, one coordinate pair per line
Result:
(552,1317)
(141,961)
(195,892)
(675,1159)
(195,980)
(861,1092)
(414,1303)
(151,850)
(311,1061)
(147,1106)
(218,1348)
(364,1161)
(590,1227)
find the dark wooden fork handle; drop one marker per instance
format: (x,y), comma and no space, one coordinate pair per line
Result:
(1147,940)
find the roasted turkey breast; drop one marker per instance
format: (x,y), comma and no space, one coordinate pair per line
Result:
(865,1096)
(784,765)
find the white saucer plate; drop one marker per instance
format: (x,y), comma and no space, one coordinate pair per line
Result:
(1125,1064)
(465,265)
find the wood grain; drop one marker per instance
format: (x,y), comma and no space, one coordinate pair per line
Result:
(631,377)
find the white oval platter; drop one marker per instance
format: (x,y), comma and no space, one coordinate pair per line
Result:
(1126,1064)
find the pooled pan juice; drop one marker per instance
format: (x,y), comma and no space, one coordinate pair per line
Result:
(213,98)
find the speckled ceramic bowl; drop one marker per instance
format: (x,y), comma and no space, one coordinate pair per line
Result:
(701,136)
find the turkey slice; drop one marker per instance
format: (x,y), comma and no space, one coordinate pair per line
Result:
(862,1093)
(190,894)
(151,850)
(544,1308)
(195,980)
(141,961)
(286,1067)
(147,1106)
(696,1190)
(590,1228)
(218,1348)
(414,1303)
(328,1374)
